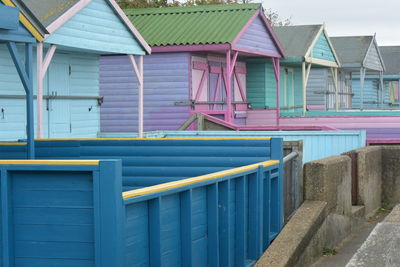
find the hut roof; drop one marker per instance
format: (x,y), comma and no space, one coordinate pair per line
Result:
(391,57)
(46,11)
(296,40)
(352,49)
(196,25)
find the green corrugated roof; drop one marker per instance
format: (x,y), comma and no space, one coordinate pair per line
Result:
(210,24)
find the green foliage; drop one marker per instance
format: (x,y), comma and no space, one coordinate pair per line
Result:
(327,251)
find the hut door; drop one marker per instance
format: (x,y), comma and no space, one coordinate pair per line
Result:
(239,87)
(199,92)
(217,89)
(287,91)
(58,110)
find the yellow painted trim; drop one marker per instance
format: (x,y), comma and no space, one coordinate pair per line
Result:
(180,183)
(49,162)
(26,22)
(144,139)
(12,144)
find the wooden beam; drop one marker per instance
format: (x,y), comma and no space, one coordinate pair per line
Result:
(362,79)
(138,69)
(335,84)
(25,74)
(42,67)
(306,74)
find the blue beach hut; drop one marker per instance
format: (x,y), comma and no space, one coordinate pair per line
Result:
(17,30)
(73,35)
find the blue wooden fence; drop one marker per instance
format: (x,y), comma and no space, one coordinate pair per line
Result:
(71,213)
(147,162)
(223,219)
(61,213)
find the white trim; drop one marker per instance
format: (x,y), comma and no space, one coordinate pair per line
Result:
(315,40)
(322,62)
(332,47)
(66,16)
(138,69)
(42,67)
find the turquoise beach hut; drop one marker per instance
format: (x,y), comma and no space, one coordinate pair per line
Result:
(308,48)
(73,35)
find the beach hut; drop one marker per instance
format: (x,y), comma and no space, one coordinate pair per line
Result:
(360,55)
(66,67)
(391,76)
(15,29)
(198,64)
(308,48)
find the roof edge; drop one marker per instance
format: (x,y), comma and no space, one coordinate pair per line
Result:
(130,26)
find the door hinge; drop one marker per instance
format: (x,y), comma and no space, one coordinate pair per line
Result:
(70,127)
(70,70)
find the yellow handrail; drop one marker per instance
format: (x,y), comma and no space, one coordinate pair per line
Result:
(180,183)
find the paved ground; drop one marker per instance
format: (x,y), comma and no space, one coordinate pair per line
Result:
(350,245)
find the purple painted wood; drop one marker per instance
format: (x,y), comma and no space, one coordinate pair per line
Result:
(257,38)
(166,81)
(383,133)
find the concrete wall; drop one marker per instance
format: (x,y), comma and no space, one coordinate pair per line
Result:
(329,180)
(369,161)
(390,175)
(327,215)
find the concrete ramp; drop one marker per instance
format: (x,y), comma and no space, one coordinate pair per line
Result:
(382,247)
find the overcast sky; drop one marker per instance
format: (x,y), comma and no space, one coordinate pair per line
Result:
(345,17)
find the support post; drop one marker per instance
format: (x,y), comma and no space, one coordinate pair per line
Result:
(277,72)
(138,68)
(362,79)
(29,101)
(306,74)
(382,88)
(42,67)
(25,74)
(334,72)
(230,66)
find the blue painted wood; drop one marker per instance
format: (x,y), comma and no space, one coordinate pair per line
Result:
(26,76)
(9,18)
(176,159)
(91,28)
(186,227)
(257,38)
(213,222)
(316,144)
(155,232)
(11,29)
(166,81)
(110,227)
(322,49)
(240,222)
(49,215)
(277,185)
(224,223)
(174,227)
(267,214)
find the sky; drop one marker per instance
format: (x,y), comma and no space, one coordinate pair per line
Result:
(345,17)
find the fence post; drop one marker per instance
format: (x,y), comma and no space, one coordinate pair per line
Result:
(277,154)
(109,214)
